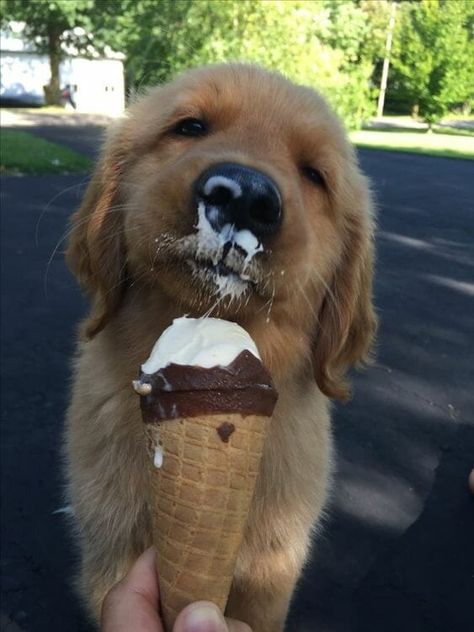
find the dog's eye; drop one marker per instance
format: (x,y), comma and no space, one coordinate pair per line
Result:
(190,127)
(314,176)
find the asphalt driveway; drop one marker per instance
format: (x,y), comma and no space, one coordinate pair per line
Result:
(398,548)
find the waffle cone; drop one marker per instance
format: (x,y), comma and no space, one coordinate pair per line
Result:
(199,501)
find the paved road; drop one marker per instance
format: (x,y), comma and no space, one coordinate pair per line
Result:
(397,552)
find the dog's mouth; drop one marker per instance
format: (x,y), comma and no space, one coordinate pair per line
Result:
(219,269)
(222,261)
(227,276)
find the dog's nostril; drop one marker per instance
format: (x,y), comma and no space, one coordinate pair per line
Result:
(219,196)
(265,210)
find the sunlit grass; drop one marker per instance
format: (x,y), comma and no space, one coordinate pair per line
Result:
(21,152)
(434,144)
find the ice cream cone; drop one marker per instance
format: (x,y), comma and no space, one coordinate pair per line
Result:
(206,417)
(199,501)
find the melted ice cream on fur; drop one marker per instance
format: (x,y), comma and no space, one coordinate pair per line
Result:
(210,241)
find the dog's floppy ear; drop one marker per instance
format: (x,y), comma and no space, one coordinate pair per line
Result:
(96,252)
(347,322)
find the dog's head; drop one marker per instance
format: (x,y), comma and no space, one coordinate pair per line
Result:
(237,193)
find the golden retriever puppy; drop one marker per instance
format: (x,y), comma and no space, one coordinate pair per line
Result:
(235,193)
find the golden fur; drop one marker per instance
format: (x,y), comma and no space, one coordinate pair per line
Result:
(310,313)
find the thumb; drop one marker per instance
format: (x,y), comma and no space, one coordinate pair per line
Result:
(204,616)
(200,616)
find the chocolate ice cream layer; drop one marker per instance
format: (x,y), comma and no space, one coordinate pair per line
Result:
(244,387)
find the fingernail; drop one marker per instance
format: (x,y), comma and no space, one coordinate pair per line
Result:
(204,617)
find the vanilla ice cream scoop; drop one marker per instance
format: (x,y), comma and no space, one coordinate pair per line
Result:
(204,342)
(214,360)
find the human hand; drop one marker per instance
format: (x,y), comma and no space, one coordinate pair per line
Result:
(132,606)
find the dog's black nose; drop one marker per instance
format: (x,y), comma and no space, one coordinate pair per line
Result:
(238,195)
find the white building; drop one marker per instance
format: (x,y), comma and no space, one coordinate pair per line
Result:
(97,84)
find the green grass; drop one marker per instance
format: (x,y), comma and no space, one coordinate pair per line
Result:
(21,152)
(433,144)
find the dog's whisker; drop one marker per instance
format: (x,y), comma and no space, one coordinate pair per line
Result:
(51,202)
(56,248)
(76,223)
(304,295)
(271,301)
(314,273)
(70,230)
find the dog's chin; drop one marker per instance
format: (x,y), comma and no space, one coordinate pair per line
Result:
(202,287)
(220,281)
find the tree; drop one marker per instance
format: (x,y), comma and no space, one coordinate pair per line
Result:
(328,44)
(50,24)
(311,41)
(434,56)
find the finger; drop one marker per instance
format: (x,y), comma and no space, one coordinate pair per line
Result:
(132,604)
(237,626)
(142,577)
(200,616)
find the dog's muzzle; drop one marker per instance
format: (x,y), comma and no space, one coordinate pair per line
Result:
(241,197)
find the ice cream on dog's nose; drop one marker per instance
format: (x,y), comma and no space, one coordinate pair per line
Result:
(206,401)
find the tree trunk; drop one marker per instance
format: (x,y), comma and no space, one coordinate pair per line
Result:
(386,61)
(52,91)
